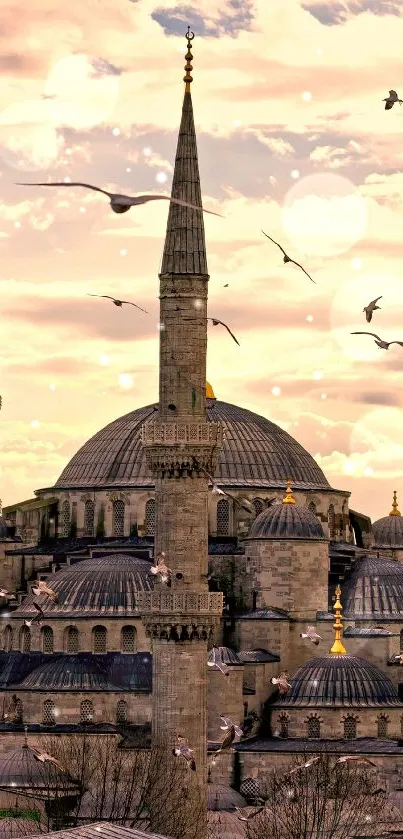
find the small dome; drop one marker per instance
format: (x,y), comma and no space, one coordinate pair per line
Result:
(374,590)
(388,531)
(20,769)
(220,797)
(286,521)
(96,587)
(341,680)
(74,672)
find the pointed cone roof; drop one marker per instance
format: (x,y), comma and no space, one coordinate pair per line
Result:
(185,246)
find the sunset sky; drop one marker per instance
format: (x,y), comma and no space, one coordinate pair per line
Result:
(292,137)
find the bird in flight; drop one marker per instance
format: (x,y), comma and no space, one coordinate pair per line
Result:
(118,303)
(312,634)
(399,658)
(182,750)
(391,100)
(369,310)
(383,345)
(38,617)
(122,203)
(357,758)
(217,322)
(247,813)
(6,594)
(42,587)
(43,757)
(306,765)
(282,682)
(161,568)
(214,661)
(287,258)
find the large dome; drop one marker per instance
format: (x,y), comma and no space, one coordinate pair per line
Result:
(341,680)
(374,590)
(255,452)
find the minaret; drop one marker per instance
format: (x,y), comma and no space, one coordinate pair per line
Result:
(337,648)
(181,447)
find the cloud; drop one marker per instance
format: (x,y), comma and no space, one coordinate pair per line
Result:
(231,17)
(335,13)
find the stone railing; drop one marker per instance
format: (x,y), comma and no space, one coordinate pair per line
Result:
(174,433)
(180,603)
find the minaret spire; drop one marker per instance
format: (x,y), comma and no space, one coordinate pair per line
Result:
(395,510)
(337,648)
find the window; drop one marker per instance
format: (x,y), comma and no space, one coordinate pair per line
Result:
(128,639)
(25,639)
(89,518)
(48,712)
(99,636)
(313,728)
(71,644)
(66,519)
(258,505)
(86,711)
(8,639)
(47,639)
(312,508)
(331,521)
(223,517)
(283,720)
(350,728)
(121,712)
(382,726)
(118,518)
(150,517)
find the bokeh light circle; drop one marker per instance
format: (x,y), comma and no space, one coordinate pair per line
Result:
(83,91)
(29,139)
(324,215)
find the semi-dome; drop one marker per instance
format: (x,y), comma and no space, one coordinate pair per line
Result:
(340,680)
(94,587)
(374,589)
(220,797)
(286,520)
(77,672)
(255,452)
(21,769)
(388,531)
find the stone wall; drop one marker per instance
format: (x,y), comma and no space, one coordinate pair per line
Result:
(85,626)
(67,705)
(331,720)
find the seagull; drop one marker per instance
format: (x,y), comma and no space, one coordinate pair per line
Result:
(38,617)
(182,750)
(369,310)
(5,593)
(217,491)
(287,258)
(44,757)
(358,758)
(122,203)
(161,568)
(232,730)
(118,302)
(217,322)
(391,100)
(247,813)
(220,664)
(306,765)
(399,658)
(312,634)
(383,345)
(282,682)
(43,588)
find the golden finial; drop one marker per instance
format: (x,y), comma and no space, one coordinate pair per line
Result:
(288,498)
(189,57)
(209,391)
(394,511)
(337,648)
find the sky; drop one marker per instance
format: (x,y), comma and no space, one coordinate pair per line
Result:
(293,139)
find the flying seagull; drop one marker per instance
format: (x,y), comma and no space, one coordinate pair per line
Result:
(161,568)
(369,310)
(5,593)
(118,302)
(282,682)
(287,258)
(358,758)
(182,750)
(383,345)
(122,203)
(306,765)
(312,634)
(217,322)
(43,757)
(247,813)
(215,662)
(38,617)
(42,587)
(399,658)
(391,100)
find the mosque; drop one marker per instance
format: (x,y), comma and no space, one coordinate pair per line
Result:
(280,541)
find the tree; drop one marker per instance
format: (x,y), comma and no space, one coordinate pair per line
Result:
(326,800)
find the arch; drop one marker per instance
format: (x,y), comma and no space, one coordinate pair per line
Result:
(47,639)
(65,519)
(258,505)
(99,639)
(350,727)
(283,719)
(86,711)
(118,518)
(223,517)
(25,639)
(121,712)
(8,639)
(331,519)
(312,507)
(313,727)
(382,723)
(71,639)
(89,518)
(48,712)
(150,517)
(128,639)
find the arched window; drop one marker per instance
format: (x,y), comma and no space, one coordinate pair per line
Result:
(150,517)
(223,517)
(121,712)
(25,639)
(258,505)
(312,508)
(86,711)
(118,518)
(350,728)
(331,521)
(382,726)
(66,519)
(128,639)
(71,639)
(313,728)
(89,518)
(8,639)
(99,639)
(283,720)
(48,712)
(47,639)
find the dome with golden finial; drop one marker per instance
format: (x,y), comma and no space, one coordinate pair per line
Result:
(388,531)
(287,520)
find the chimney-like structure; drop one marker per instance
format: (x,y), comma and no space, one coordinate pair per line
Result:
(182,448)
